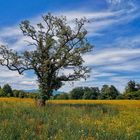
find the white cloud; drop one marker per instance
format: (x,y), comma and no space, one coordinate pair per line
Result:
(127,42)
(114,1)
(17,84)
(31,83)
(15,80)
(13,31)
(111,56)
(100,20)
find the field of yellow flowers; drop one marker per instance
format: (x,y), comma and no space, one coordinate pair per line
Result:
(20,119)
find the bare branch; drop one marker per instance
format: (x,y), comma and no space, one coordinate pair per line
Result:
(13,61)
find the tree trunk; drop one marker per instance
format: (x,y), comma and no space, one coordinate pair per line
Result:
(41,102)
(45,93)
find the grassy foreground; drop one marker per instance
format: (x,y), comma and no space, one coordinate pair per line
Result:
(20,119)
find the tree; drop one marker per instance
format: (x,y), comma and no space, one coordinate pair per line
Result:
(77,93)
(8,90)
(104,91)
(131,86)
(21,94)
(135,95)
(109,92)
(91,93)
(16,93)
(114,93)
(58,47)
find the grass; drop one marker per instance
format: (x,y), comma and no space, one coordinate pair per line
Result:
(20,119)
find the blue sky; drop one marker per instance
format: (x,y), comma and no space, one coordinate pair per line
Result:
(114,31)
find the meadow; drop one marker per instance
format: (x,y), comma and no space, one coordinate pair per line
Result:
(20,119)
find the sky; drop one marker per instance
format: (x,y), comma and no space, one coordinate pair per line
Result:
(114,31)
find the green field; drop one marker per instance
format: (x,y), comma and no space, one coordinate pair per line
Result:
(20,119)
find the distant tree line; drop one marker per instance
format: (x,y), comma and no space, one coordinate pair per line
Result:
(7,91)
(132,91)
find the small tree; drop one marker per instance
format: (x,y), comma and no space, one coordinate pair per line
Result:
(16,93)
(58,47)
(21,94)
(77,93)
(8,90)
(109,92)
(131,86)
(91,93)
(114,93)
(104,92)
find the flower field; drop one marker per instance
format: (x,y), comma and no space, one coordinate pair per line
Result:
(20,119)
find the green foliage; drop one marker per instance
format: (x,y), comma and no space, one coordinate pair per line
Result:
(2,93)
(132,91)
(85,93)
(8,90)
(91,93)
(16,93)
(22,94)
(131,86)
(135,95)
(77,93)
(121,97)
(109,92)
(104,91)
(62,96)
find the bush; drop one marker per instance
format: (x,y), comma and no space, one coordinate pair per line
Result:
(16,93)
(21,94)
(63,96)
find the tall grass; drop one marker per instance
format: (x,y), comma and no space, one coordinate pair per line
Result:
(20,119)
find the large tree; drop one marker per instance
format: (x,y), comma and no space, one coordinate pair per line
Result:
(58,47)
